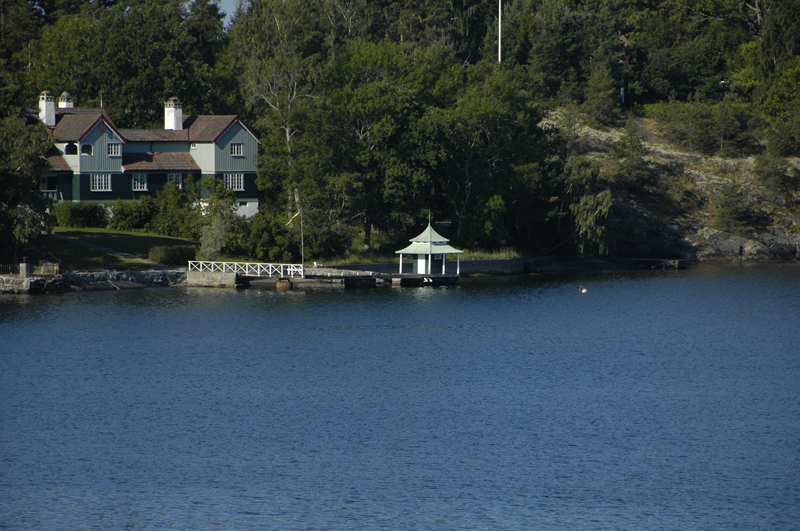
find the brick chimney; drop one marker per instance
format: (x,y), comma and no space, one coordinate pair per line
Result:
(47,108)
(173,115)
(65,101)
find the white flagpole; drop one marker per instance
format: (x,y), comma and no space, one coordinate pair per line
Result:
(499,31)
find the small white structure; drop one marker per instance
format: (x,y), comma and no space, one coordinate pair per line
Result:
(429,250)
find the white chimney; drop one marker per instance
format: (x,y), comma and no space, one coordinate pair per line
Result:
(65,101)
(173,115)
(47,108)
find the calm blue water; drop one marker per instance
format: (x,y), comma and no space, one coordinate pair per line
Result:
(659,400)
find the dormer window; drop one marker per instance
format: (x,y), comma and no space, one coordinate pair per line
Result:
(70,149)
(86,149)
(237,150)
(113,150)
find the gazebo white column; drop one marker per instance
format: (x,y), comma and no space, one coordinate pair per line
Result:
(424,247)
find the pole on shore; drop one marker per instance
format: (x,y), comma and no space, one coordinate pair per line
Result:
(302,242)
(499,31)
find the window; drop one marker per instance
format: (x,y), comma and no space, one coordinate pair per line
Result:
(101,183)
(193,145)
(70,149)
(237,150)
(86,149)
(113,150)
(139,182)
(234,181)
(177,178)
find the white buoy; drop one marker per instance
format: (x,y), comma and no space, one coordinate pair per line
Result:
(582,289)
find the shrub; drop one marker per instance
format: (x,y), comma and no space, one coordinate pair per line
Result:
(706,127)
(213,237)
(733,216)
(132,215)
(776,174)
(631,142)
(174,255)
(80,215)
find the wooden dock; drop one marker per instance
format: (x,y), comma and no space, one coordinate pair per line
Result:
(242,275)
(408,280)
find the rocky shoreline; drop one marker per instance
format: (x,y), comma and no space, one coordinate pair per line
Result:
(728,250)
(107,280)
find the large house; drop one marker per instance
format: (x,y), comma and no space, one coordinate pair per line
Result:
(101,163)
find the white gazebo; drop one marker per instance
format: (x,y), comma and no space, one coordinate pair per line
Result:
(429,249)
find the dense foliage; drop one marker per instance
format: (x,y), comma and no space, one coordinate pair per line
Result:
(172,255)
(377,115)
(79,215)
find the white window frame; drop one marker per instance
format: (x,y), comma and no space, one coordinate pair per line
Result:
(101,182)
(175,177)
(114,149)
(234,181)
(139,182)
(237,149)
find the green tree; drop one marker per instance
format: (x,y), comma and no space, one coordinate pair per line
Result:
(65,59)
(776,174)
(280,44)
(583,208)
(178,213)
(733,215)
(602,95)
(378,91)
(154,50)
(214,236)
(471,148)
(23,208)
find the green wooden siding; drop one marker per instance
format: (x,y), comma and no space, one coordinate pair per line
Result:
(225,163)
(99,161)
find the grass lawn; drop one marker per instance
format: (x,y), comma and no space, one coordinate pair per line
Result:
(77,257)
(135,243)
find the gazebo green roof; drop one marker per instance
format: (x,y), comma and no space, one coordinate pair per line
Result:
(429,242)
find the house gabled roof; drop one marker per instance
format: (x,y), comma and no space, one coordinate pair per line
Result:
(208,128)
(155,135)
(75,123)
(158,162)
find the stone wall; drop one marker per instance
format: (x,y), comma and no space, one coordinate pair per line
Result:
(19,284)
(150,278)
(211,279)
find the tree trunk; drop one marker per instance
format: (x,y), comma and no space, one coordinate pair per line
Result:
(367,234)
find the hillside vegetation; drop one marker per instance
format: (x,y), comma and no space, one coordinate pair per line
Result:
(636,127)
(671,203)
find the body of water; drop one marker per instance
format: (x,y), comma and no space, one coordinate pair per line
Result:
(658,400)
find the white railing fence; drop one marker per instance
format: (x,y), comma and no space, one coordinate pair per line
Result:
(55,195)
(249,269)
